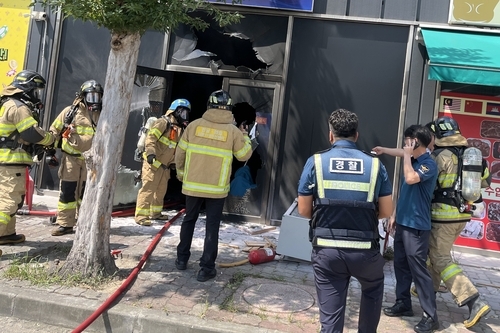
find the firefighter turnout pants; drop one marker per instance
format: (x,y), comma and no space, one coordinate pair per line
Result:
(72,175)
(442,267)
(152,193)
(13,189)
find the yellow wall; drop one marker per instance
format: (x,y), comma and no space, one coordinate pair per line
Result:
(13,37)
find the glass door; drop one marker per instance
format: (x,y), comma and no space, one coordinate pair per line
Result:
(255,104)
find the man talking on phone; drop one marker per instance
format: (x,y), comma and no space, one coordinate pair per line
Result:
(412,223)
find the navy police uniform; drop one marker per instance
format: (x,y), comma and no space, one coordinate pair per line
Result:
(411,241)
(346,184)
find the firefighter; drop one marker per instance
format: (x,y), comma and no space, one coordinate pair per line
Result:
(339,189)
(448,222)
(75,128)
(158,157)
(19,132)
(203,161)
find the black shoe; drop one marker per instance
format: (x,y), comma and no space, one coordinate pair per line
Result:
(398,310)
(62,231)
(180,265)
(205,275)
(426,325)
(12,239)
(479,310)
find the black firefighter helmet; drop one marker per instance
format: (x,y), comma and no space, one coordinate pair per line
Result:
(91,92)
(446,126)
(220,99)
(31,83)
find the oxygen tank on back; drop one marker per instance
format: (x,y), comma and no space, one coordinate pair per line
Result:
(471,174)
(143,133)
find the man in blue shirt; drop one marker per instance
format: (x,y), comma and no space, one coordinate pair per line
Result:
(339,190)
(412,223)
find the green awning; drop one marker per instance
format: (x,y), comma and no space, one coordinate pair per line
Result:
(463,56)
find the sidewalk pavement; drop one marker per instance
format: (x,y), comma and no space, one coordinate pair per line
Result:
(278,296)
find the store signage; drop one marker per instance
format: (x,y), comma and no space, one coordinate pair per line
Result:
(302,5)
(479,121)
(475,12)
(14,25)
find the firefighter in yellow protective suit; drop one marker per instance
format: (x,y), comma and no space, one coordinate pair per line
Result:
(203,160)
(158,156)
(75,128)
(19,131)
(448,222)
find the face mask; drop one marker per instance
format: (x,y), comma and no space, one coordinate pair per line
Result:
(182,116)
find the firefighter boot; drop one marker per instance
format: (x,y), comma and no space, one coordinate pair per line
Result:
(12,239)
(62,231)
(145,222)
(477,310)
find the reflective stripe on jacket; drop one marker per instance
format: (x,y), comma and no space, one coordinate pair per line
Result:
(162,140)
(80,140)
(16,117)
(205,152)
(447,163)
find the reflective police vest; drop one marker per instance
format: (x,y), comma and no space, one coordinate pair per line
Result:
(344,212)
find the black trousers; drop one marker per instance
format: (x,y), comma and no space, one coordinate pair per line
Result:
(411,247)
(333,269)
(214,209)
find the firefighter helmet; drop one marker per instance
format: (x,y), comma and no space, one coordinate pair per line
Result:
(31,83)
(91,91)
(181,108)
(446,126)
(220,99)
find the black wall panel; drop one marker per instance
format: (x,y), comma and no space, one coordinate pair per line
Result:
(339,65)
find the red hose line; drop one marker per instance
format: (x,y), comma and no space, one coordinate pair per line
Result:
(36,212)
(130,278)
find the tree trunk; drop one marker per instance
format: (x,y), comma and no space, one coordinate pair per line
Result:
(90,254)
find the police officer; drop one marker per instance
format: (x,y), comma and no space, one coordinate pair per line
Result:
(75,129)
(448,221)
(203,161)
(411,241)
(340,189)
(19,131)
(160,145)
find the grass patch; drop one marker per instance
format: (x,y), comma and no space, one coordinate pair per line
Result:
(39,271)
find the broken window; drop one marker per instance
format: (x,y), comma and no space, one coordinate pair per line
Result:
(254,45)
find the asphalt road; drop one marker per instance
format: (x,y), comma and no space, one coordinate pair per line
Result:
(15,325)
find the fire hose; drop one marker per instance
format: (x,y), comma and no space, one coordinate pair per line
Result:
(130,278)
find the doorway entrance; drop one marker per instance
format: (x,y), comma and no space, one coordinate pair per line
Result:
(256,103)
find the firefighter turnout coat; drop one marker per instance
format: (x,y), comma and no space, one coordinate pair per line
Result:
(447,224)
(161,141)
(18,131)
(205,153)
(73,171)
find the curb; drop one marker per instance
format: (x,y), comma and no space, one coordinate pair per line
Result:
(69,311)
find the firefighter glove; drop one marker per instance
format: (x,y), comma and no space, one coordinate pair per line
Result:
(151,158)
